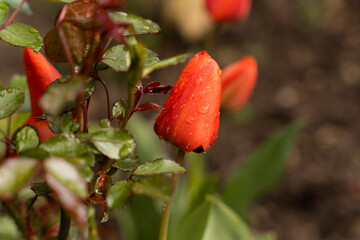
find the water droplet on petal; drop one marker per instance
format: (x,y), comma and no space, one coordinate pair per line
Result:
(190,119)
(209,133)
(175,116)
(182,106)
(198,81)
(203,108)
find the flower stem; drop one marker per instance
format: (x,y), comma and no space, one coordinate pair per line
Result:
(167,205)
(65,223)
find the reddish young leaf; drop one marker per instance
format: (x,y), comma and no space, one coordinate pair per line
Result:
(238,82)
(229,10)
(190,115)
(156,88)
(148,106)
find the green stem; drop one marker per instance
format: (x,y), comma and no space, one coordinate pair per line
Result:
(65,222)
(167,205)
(15,217)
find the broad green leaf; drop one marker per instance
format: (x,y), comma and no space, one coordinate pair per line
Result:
(8,229)
(120,108)
(17,120)
(262,169)
(140,25)
(157,186)
(137,63)
(159,166)
(26,138)
(86,172)
(15,173)
(119,194)
(118,58)
(4,9)
(36,153)
(10,100)
(212,220)
(128,164)
(40,188)
(64,145)
(113,143)
(14,4)
(180,59)
(22,35)
(66,174)
(58,95)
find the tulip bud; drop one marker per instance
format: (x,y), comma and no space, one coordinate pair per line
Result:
(228,10)
(190,116)
(40,74)
(238,82)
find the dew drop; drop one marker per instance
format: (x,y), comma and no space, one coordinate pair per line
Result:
(182,106)
(198,81)
(203,108)
(33,30)
(175,116)
(190,119)
(168,129)
(208,134)
(202,94)
(174,106)
(192,96)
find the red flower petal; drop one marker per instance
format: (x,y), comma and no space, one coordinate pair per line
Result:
(40,74)
(42,127)
(190,115)
(238,82)
(228,10)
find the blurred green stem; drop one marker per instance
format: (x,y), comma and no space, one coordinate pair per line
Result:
(167,205)
(65,223)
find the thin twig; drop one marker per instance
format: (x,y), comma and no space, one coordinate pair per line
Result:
(107,96)
(11,18)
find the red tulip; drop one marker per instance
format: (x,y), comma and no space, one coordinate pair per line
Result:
(40,74)
(238,82)
(190,116)
(228,10)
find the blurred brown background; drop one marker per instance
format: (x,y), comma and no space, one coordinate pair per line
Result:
(309,67)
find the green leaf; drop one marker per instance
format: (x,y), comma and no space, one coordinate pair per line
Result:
(10,100)
(22,35)
(140,25)
(114,143)
(213,220)
(8,229)
(66,174)
(120,108)
(67,124)
(26,138)
(158,186)
(15,173)
(4,9)
(15,3)
(58,95)
(63,145)
(180,59)
(128,164)
(159,166)
(19,81)
(35,153)
(40,188)
(261,171)
(118,58)
(119,194)
(105,123)
(86,172)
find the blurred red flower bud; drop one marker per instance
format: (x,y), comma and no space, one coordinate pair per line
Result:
(40,74)
(190,116)
(238,82)
(228,10)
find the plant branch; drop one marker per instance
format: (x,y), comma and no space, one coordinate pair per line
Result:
(107,96)
(167,204)
(65,223)
(11,18)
